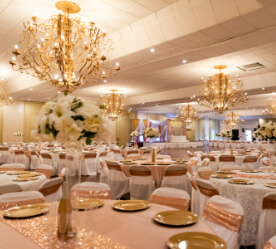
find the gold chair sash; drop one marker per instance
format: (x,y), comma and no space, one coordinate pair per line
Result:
(269,246)
(46,172)
(250,159)
(46,156)
(90,155)
(139,173)
(181,204)
(114,167)
(207,191)
(223,217)
(194,185)
(12,169)
(269,202)
(6,205)
(227,158)
(212,158)
(50,190)
(205,174)
(98,194)
(176,172)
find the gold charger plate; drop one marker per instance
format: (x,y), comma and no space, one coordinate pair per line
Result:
(29,175)
(130,163)
(221,176)
(2,172)
(164,163)
(196,240)
(241,181)
(250,171)
(126,161)
(147,163)
(26,211)
(176,218)
(18,172)
(131,205)
(86,204)
(25,179)
(270,185)
(225,172)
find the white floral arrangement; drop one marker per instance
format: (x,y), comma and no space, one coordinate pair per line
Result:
(18,134)
(225,133)
(71,119)
(134,134)
(266,131)
(151,132)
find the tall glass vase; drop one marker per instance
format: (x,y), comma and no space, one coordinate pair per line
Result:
(65,227)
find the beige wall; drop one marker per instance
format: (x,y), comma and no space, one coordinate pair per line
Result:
(13,121)
(123,126)
(1,124)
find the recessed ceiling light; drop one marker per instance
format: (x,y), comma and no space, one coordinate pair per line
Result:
(29,99)
(152,50)
(184,61)
(58,92)
(143,103)
(105,81)
(31,89)
(263,88)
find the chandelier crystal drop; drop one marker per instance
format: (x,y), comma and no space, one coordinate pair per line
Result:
(187,113)
(113,104)
(271,110)
(221,91)
(232,119)
(5,99)
(64,51)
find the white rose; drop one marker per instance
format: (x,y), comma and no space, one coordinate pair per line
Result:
(47,107)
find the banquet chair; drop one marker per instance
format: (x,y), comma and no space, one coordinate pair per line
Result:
(118,155)
(267,220)
(205,172)
(207,190)
(20,198)
(241,151)
(250,162)
(212,163)
(51,189)
(9,188)
(215,143)
(141,184)
(205,162)
(104,172)
(117,180)
(5,155)
(221,144)
(225,217)
(190,154)
(271,243)
(20,157)
(175,177)
(227,162)
(171,197)
(211,143)
(45,169)
(84,190)
(131,151)
(195,203)
(13,167)
(47,159)
(62,162)
(35,161)
(89,166)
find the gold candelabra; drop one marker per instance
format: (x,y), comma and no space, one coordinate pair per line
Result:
(113,104)
(232,119)
(64,51)
(271,110)
(187,113)
(221,91)
(5,99)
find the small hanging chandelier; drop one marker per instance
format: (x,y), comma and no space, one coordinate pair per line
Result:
(271,110)
(113,104)
(64,51)
(5,99)
(187,113)
(232,119)
(221,91)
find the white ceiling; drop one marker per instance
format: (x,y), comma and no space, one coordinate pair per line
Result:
(203,32)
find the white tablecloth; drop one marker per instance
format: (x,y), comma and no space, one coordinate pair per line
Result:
(251,198)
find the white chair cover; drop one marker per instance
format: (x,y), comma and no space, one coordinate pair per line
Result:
(89,166)
(50,161)
(224,228)
(35,161)
(177,180)
(205,172)
(9,188)
(13,166)
(267,221)
(141,184)
(46,169)
(204,163)
(104,172)
(171,197)
(97,190)
(5,155)
(51,189)
(22,159)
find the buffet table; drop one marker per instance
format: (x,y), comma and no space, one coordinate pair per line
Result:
(110,228)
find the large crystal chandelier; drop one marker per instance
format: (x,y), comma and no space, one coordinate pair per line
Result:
(221,91)
(187,113)
(64,51)
(5,99)
(232,119)
(271,110)
(113,104)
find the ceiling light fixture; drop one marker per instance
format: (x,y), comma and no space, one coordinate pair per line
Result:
(152,50)
(222,92)
(232,118)
(271,109)
(64,51)
(187,112)
(184,61)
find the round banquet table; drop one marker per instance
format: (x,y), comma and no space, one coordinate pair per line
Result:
(250,197)
(25,186)
(131,229)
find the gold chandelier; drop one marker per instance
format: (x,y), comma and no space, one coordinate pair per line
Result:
(232,119)
(5,99)
(113,104)
(271,110)
(187,113)
(221,91)
(64,51)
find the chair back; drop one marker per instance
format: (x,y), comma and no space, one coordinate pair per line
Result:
(250,159)
(45,169)
(176,170)
(211,158)
(97,190)
(4,148)
(9,188)
(103,154)
(113,165)
(46,156)
(269,201)
(132,152)
(51,186)
(139,171)
(206,188)
(19,152)
(90,155)
(12,167)
(62,156)
(227,158)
